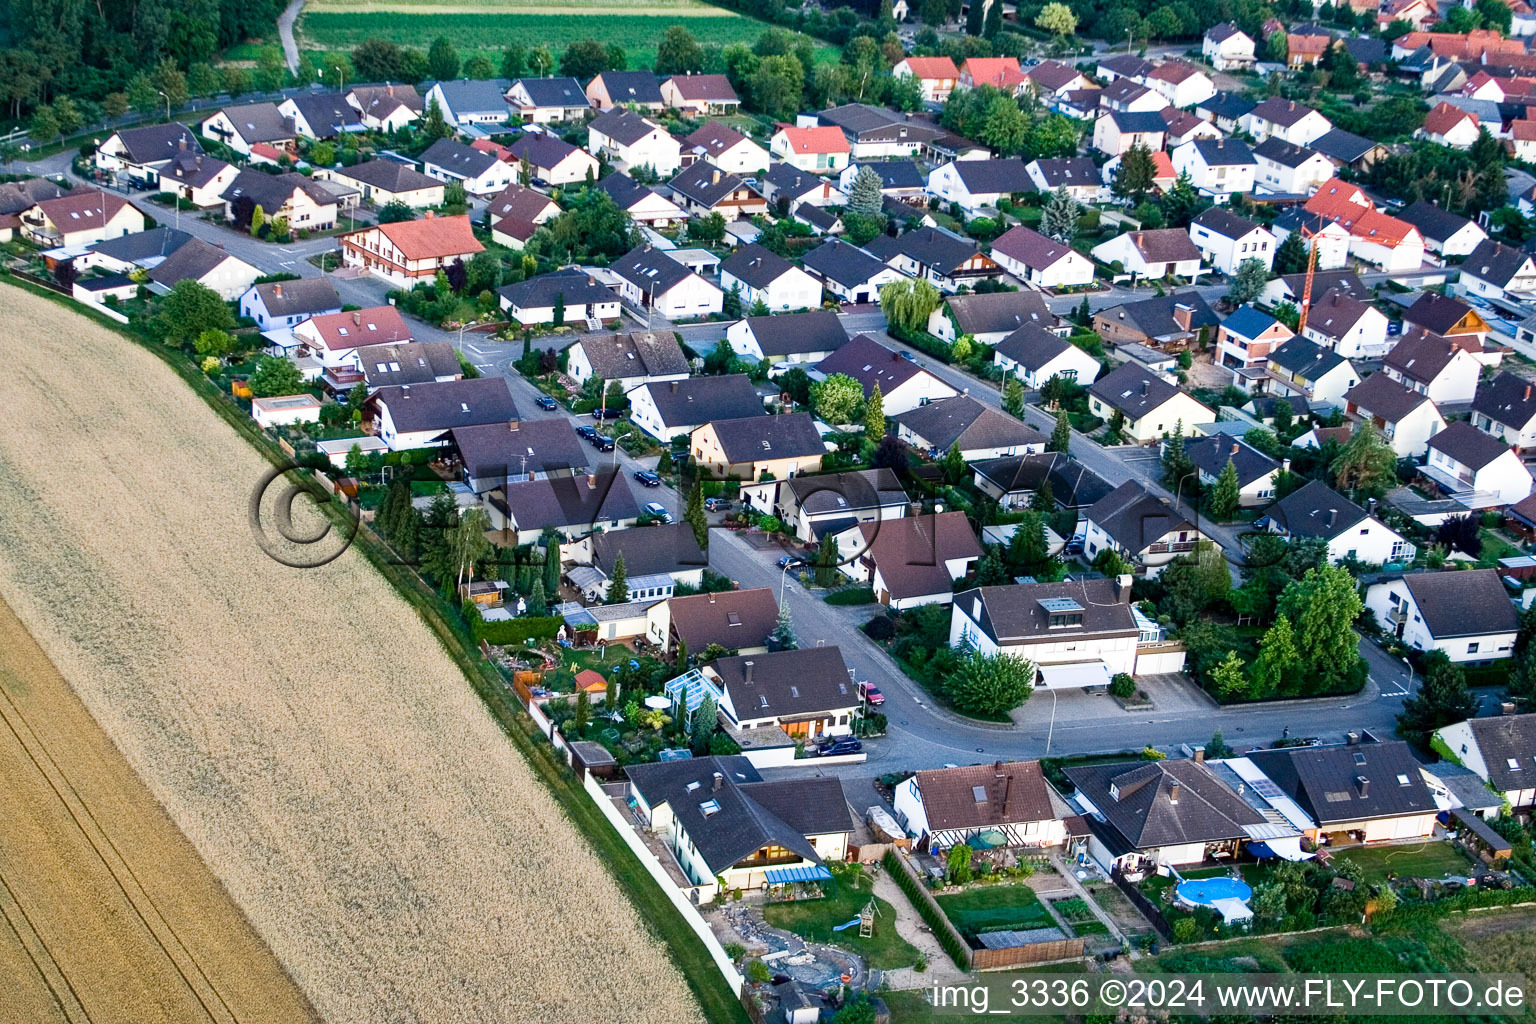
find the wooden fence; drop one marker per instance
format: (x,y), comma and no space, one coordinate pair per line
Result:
(1033,953)
(1146,906)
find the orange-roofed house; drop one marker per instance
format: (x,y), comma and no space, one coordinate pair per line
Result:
(80,219)
(334,337)
(410,251)
(1450,126)
(937,76)
(823,149)
(1332,192)
(1163,174)
(1417,13)
(1393,245)
(1472,46)
(999,72)
(496,149)
(1305,50)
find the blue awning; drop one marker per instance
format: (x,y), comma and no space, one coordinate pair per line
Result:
(804,873)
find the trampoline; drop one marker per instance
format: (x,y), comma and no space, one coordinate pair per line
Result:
(1206,892)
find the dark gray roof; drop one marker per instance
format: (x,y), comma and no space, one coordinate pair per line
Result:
(1432,222)
(456,158)
(861,122)
(492,451)
(1225,223)
(1346,147)
(699,400)
(1154,316)
(790,180)
(1298,355)
(798,333)
(757,438)
(190,262)
(713,138)
(755,266)
(714,88)
(569,501)
(271,191)
(838,261)
(640,354)
(855,490)
(965,421)
(1226,104)
(625,191)
(260,122)
(1507,399)
(1133,389)
(929,247)
(1495,262)
(1164,803)
(897,174)
(986,177)
(993,312)
(1134,518)
(651,270)
(1354,783)
(519,203)
(1325,281)
(1286,154)
(142,245)
(392,175)
(650,550)
(631,86)
(913,553)
(1420,355)
(1223,152)
(1138,121)
(794,683)
(407,362)
(447,404)
(1212,454)
(541,291)
(1380,395)
(1073,485)
(554,92)
(475,96)
(325,112)
(152,143)
(1281,111)
(1469,602)
(16,196)
(870,363)
(1315,510)
(1468,445)
(312,295)
(541,149)
(1506,738)
(1014,614)
(980,795)
(193,169)
(1032,346)
(1366,49)
(1164,245)
(1336,314)
(1435,312)
(383,100)
(705,184)
(1072,170)
(733,619)
(622,126)
(1030,248)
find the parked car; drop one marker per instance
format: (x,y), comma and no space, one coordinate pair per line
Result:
(547,402)
(841,746)
(716,504)
(871,693)
(602,442)
(606,414)
(658,510)
(647,478)
(786,561)
(585,432)
(908,356)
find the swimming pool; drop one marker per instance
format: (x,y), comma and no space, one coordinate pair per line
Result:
(1206,891)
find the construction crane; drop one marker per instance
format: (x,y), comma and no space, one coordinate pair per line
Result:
(1306,292)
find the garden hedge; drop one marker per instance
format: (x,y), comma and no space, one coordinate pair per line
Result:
(925,907)
(514,632)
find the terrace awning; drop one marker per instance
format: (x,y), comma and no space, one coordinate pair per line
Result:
(801,873)
(1284,847)
(1076,676)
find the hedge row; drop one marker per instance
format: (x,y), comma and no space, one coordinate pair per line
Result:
(514,632)
(1467,899)
(925,907)
(853,595)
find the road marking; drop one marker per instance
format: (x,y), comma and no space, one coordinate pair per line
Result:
(473,348)
(485,366)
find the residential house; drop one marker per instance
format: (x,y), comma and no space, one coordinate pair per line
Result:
(1181,83)
(1505,408)
(284,410)
(551,162)
(516,212)
(381,366)
(1165,322)
(242,127)
(818,150)
(644,357)
(1117,131)
(946,807)
(1076,174)
(936,76)
(481,173)
(1305,49)
(408,252)
(127,253)
(758,275)
(677,407)
(1151,255)
(1225,110)
(1142,529)
(1035,355)
(725,148)
(209,265)
(1015,480)
(1040,261)
(978,185)
(875,133)
(1256,472)
(80,218)
(831,503)
(1186,127)
(280,304)
(1315,511)
(632,141)
(789,188)
(1002,73)
(940,257)
(1364,792)
(911,561)
(492,455)
(548,100)
(1498,271)
(1227,241)
(1389,243)
(730,831)
(334,337)
(1447,317)
(626,90)
(1352,328)
(903,384)
(1227,47)
(1346,149)
(1245,339)
(1291,121)
(197,178)
(657,559)
(1502,751)
(471,101)
(1522,139)
(989,317)
(139,154)
(1145,815)
(643,204)
(756,447)
(1301,368)
(808,693)
(703,189)
(322,115)
(422,415)
(573,506)
(980,431)
(649,279)
(700,95)
(300,201)
(1443,232)
(852,274)
(1131,97)
(741,621)
(1479,471)
(1076,633)
(567,295)
(1291,287)
(788,337)
(17,197)
(1217,167)
(389,181)
(1467,613)
(388,107)
(1435,366)
(1329,239)
(1052,78)
(1405,417)
(1289,169)
(1446,125)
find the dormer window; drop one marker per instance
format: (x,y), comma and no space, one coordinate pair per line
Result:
(1062,612)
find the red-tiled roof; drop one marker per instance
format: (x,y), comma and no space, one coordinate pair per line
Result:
(432,237)
(933,68)
(1445,117)
(821,139)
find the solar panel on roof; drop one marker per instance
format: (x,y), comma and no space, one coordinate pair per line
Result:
(1266,789)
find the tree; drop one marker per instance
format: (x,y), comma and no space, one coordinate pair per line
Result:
(975,18)
(679,53)
(1183,203)
(258,220)
(859,1009)
(1278,48)
(1366,463)
(395,210)
(203,80)
(1057,19)
(44,126)
(514,61)
(435,125)
(1278,660)
(957,866)
(1248,281)
(962,348)
(168,79)
(214,343)
(1027,547)
(1176,462)
(189,310)
(908,304)
(1061,434)
(1013,397)
(1323,606)
(558,316)
(990,685)
(1291,256)
(1058,220)
(874,415)
(864,195)
(837,399)
(584,58)
(1442,699)
(826,562)
(237,82)
(378,60)
(583,713)
(1228,679)
(775,86)
(1137,174)
(1006,128)
(784,633)
(1496,15)
(618,585)
(694,515)
(1055,135)
(1217,747)
(68,115)
(1226,496)
(275,375)
(1461,533)
(953,464)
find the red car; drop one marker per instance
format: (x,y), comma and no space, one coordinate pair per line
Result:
(871,693)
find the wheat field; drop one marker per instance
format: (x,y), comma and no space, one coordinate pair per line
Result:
(302,727)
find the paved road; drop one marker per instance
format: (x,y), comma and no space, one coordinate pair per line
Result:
(285,32)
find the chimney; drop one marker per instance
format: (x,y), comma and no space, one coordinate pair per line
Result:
(591,481)
(719,781)
(1183,315)
(711,597)
(674,387)
(513,424)
(1173,793)
(1199,755)
(1285,465)
(1364,785)
(1234,447)
(181,144)
(1333,515)
(747,672)
(391,89)
(277,291)
(1370,506)
(1123,587)
(427,216)
(1145,385)
(1527,392)
(357,318)
(714,178)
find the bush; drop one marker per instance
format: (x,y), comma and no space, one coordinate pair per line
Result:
(514,632)
(853,595)
(880,628)
(735,951)
(758,973)
(1122,686)
(1186,929)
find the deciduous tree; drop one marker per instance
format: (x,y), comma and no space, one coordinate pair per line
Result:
(275,375)
(837,399)
(990,685)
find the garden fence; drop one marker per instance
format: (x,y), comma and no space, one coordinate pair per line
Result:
(928,908)
(1146,906)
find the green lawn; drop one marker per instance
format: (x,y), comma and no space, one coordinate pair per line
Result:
(813,920)
(910,1007)
(1425,860)
(990,908)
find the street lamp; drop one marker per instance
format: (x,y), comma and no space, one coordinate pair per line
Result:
(1052,730)
(784,578)
(167,104)
(1410,672)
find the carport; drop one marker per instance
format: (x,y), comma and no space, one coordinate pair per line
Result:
(1077,675)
